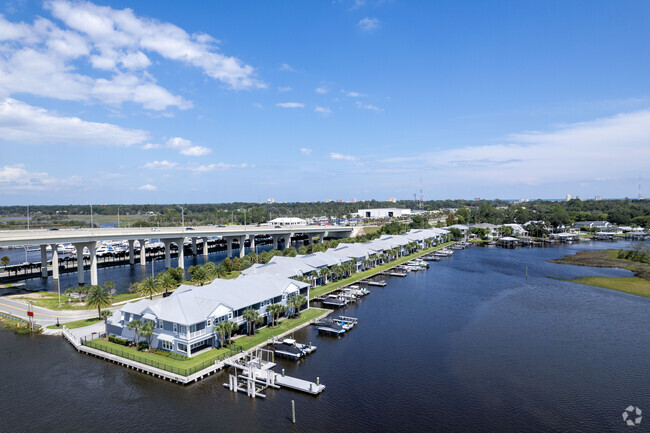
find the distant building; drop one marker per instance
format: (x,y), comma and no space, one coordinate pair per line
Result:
(383,213)
(284,222)
(568,197)
(270,200)
(353,200)
(340,200)
(477,198)
(593,225)
(391,200)
(598,198)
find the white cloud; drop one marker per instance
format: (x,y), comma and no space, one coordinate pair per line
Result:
(578,152)
(286,67)
(369,24)
(322,110)
(321,90)
(16,178)
(368,106)
(340,156)
(147,187)
(285,89)
(355,94)
(24,123)
(258,105)
(193,167)
(150,146)
(290,105)
(44,59)
(161,165)
(185,147)
(306,151)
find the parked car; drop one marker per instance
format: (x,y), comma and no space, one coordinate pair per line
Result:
(189,228)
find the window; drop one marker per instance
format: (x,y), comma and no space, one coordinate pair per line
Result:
(166,345)
(230,315)
(193,328)
(183,329)
(209,322)
(182,347)
(160,324)
(175,328)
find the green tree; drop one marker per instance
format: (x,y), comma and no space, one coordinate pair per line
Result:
(146,330)
(456,234)
(199,274)
(295,303)
(110,287)
(220,330)
(68,293)
(290,252)
(148,287)
(135,325)
(5,261)
(252,317)
(227,263)
(104,315)
(166,281)
(98,298)
(275,310)
(229,327)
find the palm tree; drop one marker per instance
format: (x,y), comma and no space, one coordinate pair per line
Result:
(252,317)
(68,293)
(296,302)
(135,325)
(221,330)
(325,272)
(110,287)
(148,287)
(366,263)
(5,261)
(166,281)
(228,328)
(199,274)
(147,330)
(104,315)
(98,297)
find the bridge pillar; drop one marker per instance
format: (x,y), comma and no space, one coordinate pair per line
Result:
(194,245)
(55,262)
(80,262)
(276,242)
(44,261)
(143,253)
(131,252)
(205,248)
(242,246)
(228,246)
(168,256)
(92,248)
(181,252)
(252,239)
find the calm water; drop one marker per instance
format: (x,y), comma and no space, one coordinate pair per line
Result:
(468,345)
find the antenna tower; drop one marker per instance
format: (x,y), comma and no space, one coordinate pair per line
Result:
(640,196)
(421,196)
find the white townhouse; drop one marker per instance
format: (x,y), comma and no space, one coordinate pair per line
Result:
(183,321)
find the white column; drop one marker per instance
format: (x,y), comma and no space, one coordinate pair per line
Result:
(131,252)
(168,257)
(55,262)
(143,253)
(276,242)
(92,247)
(252,239)
(229,246)
(242,248)
(44,261)
(181,252)
(194,245)
(205,247)
(80,263)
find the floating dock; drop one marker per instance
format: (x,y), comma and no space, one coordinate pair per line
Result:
(374,283)
(394,274)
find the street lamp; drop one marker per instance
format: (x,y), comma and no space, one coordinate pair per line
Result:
(92,225)
(27,217)
(182,216)
(152,262)
(118,217)
(58,288)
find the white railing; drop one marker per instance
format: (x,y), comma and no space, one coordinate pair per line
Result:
(194,334)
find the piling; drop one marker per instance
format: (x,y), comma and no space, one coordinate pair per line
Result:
(293,411)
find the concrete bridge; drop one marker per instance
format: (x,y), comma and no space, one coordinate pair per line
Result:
(90,238)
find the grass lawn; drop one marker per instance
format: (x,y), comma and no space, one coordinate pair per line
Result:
(50,300)
(634,285)
(76,324)
(190,366)
(329,287)
(283,326)
(370,230)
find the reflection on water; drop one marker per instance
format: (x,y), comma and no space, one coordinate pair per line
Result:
(469,345)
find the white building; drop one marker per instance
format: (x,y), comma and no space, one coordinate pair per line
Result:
(383,213)
(285,222)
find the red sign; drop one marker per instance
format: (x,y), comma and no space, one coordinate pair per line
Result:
(30,313)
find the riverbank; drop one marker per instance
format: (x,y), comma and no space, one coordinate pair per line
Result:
(638,285)
(330,287)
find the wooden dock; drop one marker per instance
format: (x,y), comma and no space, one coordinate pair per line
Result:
(393,274)
(374,283)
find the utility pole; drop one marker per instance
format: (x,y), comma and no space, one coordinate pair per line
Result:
(92,225)
(118,217)
(28,216)
(182,216)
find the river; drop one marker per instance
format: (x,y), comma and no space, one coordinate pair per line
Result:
(469,345)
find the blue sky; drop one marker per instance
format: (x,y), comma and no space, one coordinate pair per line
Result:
(303,101)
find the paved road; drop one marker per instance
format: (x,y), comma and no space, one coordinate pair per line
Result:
(43,316)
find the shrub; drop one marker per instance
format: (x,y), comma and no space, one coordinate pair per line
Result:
(117,340)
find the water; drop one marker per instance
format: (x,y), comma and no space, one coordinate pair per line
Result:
(123,276)
(469,345)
